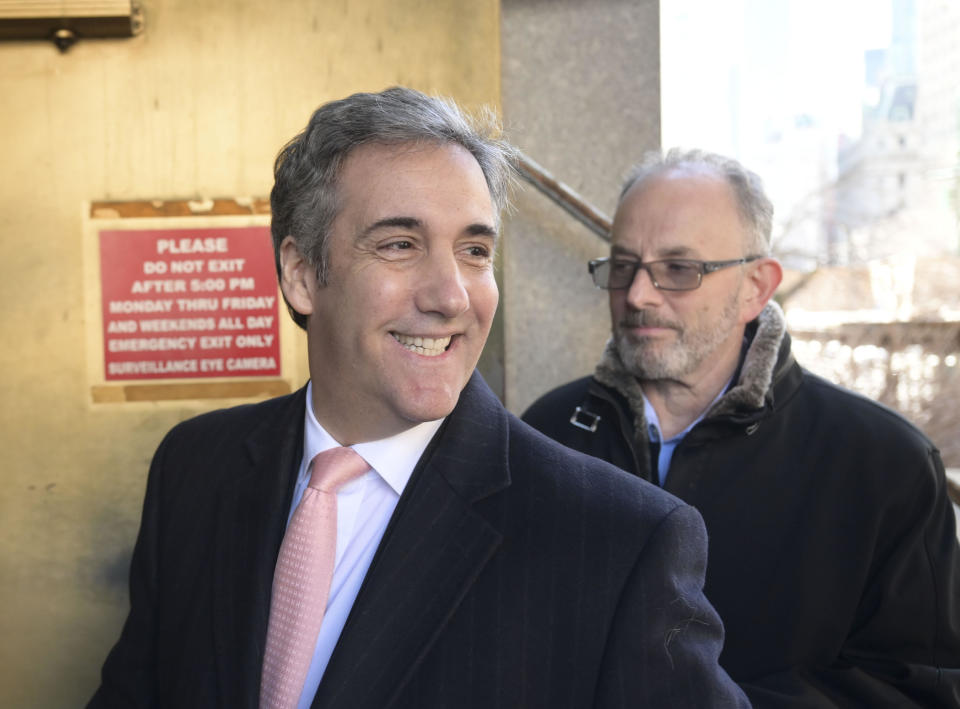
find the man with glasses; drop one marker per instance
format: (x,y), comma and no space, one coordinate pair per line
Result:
(834,560)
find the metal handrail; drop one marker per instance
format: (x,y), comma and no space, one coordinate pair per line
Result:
(565,197)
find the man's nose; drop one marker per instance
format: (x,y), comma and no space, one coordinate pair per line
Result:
(442,287)
(642,293)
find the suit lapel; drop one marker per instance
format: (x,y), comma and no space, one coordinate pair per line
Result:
(250,523)
(434,548)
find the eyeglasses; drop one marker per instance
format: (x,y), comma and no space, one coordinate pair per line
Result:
(668,274)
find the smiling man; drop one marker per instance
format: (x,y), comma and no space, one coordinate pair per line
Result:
(409,295)
(833,558)
(389,536)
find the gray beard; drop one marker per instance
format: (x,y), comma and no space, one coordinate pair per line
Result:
(678,359)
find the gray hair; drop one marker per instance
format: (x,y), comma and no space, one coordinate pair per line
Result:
(304,199)
(755,208)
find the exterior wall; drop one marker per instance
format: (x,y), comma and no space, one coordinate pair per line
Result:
(581,97)
(897,187)
(196,106)
(938,114)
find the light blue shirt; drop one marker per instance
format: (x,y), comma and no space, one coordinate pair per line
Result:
(364,507)
(669,446)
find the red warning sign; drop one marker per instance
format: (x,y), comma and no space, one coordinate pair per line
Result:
(189,303)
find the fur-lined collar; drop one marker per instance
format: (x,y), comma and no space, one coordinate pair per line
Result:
(756,374)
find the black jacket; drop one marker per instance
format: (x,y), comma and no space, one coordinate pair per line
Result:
(834,560)
(513,573)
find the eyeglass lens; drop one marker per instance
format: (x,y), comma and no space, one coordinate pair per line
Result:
(670,274)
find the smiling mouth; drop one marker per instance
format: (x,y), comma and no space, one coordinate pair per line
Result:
(427,346)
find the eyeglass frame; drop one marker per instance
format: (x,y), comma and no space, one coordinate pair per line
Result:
(704,268)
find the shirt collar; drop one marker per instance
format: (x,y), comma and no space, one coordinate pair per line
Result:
(393,458)
(653,421)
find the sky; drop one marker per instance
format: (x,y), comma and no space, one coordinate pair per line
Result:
(733,70)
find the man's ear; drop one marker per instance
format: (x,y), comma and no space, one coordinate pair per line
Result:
(298,278)
(762,280)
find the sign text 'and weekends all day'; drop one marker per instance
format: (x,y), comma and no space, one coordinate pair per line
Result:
(189,303)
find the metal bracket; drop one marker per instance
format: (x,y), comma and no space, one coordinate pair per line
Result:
(587,420)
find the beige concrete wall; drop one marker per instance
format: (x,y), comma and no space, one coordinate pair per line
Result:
(581,96)
(198,105)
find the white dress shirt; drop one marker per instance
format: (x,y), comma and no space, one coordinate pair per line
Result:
(364,507)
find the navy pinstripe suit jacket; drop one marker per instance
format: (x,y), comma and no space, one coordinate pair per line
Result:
(514,573)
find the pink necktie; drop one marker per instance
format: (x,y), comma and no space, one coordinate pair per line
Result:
(301,581)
